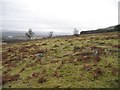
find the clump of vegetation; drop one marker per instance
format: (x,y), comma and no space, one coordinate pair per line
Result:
(39,61)
(44,44)
(35,74)
(22,70)
(56,45)
(97,72)
(114,71)
(76,48)
(42,50)
(8,78)
(42,79)
(108,64)
(87,67)
(56,74)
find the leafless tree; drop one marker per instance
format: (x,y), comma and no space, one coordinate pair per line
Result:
(50,34)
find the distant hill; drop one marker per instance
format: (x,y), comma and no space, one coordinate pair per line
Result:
(20,33)
(6,33)
(10,36)
(12,33)
(103,30)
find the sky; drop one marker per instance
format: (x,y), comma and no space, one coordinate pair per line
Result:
(119,12)
(57,15)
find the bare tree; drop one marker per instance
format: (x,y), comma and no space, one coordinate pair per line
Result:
(30,33)
(50,34)
(75,32)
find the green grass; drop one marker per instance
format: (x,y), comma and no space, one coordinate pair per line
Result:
(70,74)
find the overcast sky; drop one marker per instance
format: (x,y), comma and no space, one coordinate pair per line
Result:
(58,15)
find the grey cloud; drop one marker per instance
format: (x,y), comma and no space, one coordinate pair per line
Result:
(16,16)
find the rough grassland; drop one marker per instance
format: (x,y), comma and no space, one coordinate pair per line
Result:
(87,61)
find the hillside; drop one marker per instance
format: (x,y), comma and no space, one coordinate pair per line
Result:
(103,30)
(87,61)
